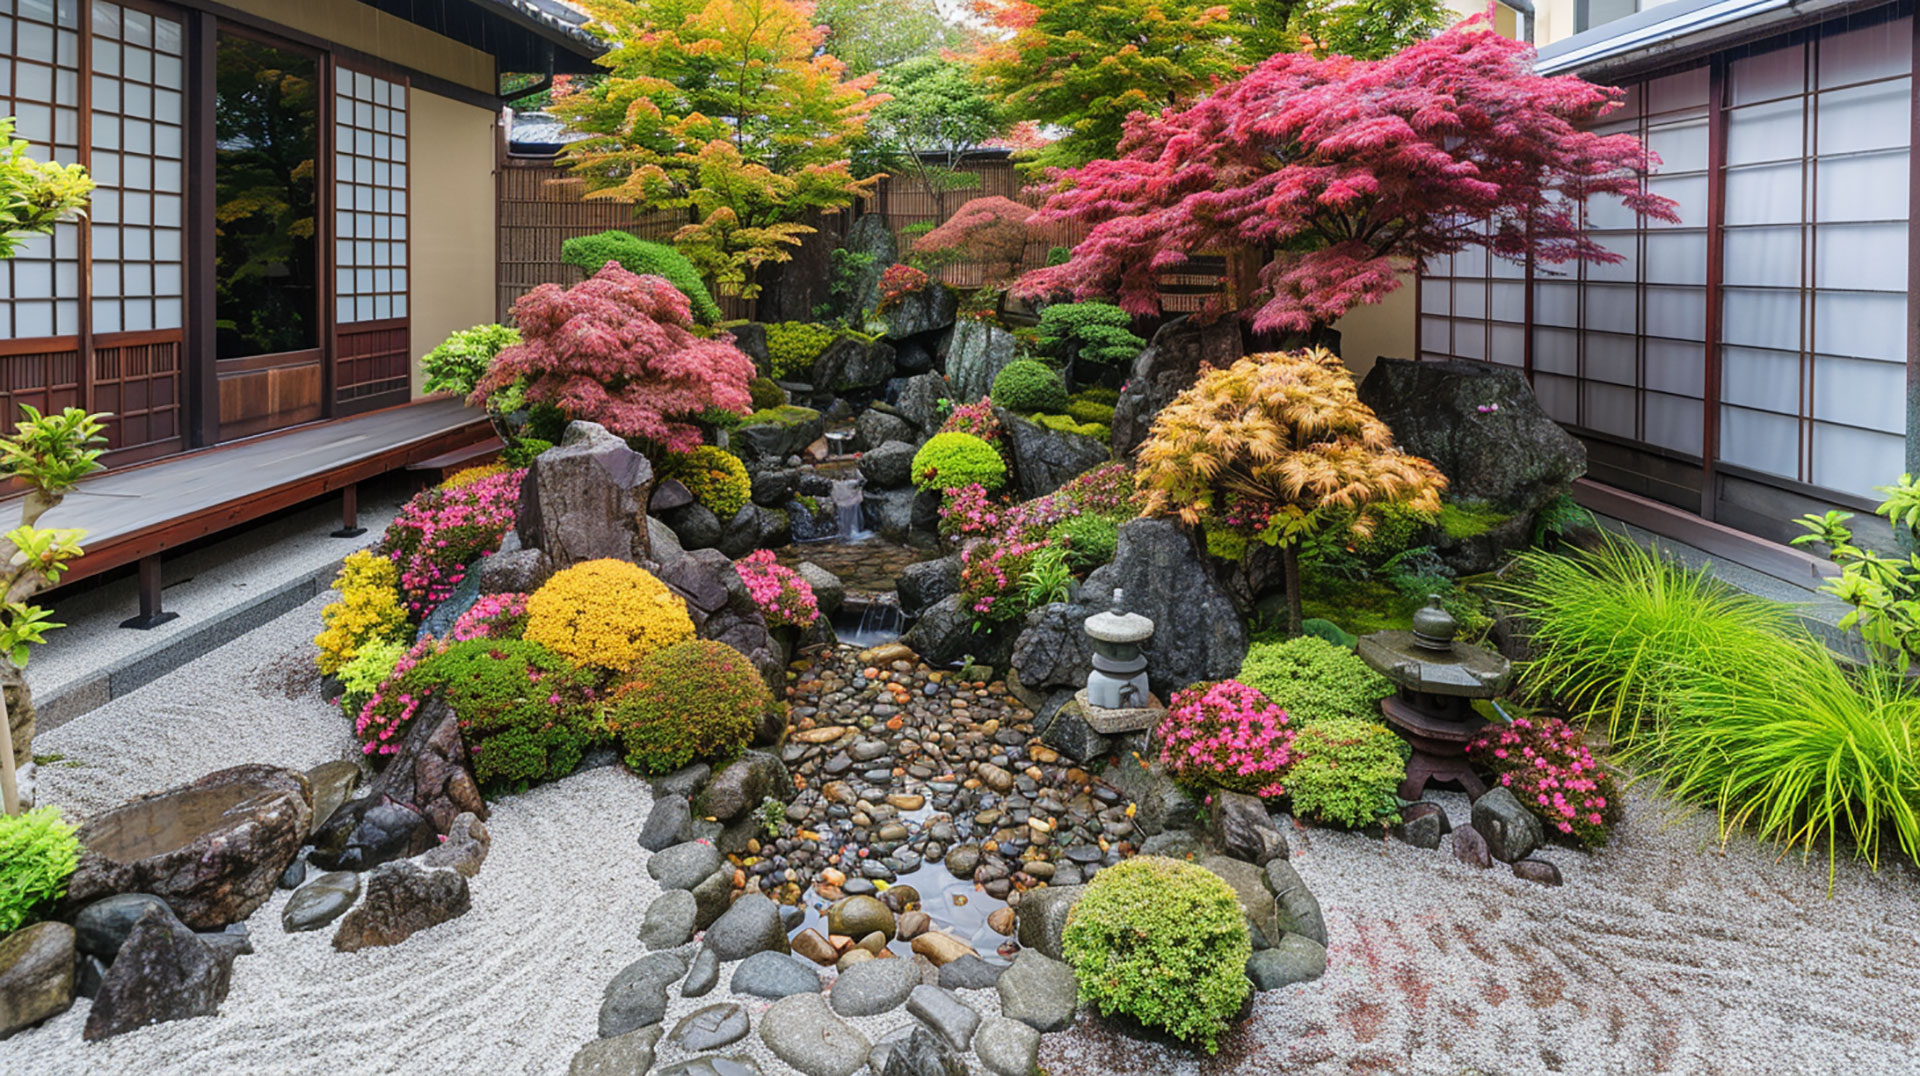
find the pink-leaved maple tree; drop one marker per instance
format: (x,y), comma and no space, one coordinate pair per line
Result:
(1342,174)
(618,349)
(991,230)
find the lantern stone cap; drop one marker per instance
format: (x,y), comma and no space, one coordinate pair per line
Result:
(1115,626)
(1472,672)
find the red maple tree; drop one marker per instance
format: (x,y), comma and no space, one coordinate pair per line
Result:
(991,230)
(1345,173)
(617,349)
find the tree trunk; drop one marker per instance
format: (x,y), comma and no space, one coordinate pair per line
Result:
(1290,561)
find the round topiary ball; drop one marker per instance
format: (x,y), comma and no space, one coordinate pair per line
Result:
(1027,386)
(951,460)
(607,614)
(699,699)
(714,476)
(1162,942)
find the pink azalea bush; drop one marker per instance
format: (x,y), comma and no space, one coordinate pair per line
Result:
(968,511)
(785,599)
(1549,768)
(494,616)
(992,567)
(1227,734)
(442,531)
(976,418)
(384,720)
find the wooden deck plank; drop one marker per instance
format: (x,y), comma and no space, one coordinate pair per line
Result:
(1782,562)
(137,511)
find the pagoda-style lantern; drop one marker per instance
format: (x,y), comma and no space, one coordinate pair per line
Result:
(1119,677)
(1437,680)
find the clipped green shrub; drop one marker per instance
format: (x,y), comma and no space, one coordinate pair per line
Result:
(1091,332)
(765,394)
(793,345)
(1025,385)
(371,665)
(637,255)
(1068,424)
(1346,772)
(1164,943)
(522,452)
(1612,632)
(714,476)
(1090,540)
(457,364)
(1314,680)
(525,712)
(951,460)
(1084,410)
(38,853)
(698,699)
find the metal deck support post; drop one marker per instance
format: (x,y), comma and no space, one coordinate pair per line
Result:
(151,615)
(350,512)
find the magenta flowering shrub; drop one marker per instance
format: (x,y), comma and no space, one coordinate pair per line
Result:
(1549,768)
(442,531)
(383,721)
(494,616)
(993,569)
(785,599)
(991,573)
(1227,734)
(968,511)
(976,418)
(1106,490)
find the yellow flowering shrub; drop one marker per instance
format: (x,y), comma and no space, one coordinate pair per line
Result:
(368,611)
(468,476)
(607,614)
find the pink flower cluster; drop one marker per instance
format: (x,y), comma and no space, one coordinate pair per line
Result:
(1228,734)
(383,721)
(494,616)
(1105,490)
(975,418)
(785,599)
(442,531)
(968,512)
(1550,769)
(990,574)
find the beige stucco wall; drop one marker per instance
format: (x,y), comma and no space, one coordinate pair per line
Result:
(365,28)
(451,198)
(1384,328)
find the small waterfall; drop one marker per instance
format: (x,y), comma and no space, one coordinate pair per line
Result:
(848,499)
(877,621)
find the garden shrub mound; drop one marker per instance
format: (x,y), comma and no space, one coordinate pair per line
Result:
(607,614)
(1228,734)
(1553,774)
(1164,943)
(698,699)
(1314,680)
(793,345)
(525,712)
(952,460)
(715,477)
(637,255)
(441,532)
(1027,386)
(1088,332)
(368,612)
(1346,772)
(458,362)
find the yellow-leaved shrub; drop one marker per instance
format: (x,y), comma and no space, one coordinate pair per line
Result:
(369,610)
(469,475)
(607,614)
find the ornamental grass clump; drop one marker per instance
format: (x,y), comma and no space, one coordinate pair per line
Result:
(1550,770)
(368,612)
(526,713)
(38,853)
(441,532)
(1164,943)
(784,599)
(606,614)
(951,460)
(1227,734)
(699,699)
(1346,772)
(1613,632)
(1314,680)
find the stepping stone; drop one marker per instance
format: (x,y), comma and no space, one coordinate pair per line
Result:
(971,973)
(945,1013)
(621,1055)
(804,1033)
(1039,991)
(320,901)
(874,987)
(774,975)
(683,866)
(637,997)
(669,822)
(711,1028)
(752,925)
(708,1066)
(670,920)
(1296,959)
(703,977)
(1007,1047)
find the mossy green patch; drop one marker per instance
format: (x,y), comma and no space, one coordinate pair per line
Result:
(784,415)
(1470,519)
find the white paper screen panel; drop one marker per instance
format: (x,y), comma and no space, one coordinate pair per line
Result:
(370,197)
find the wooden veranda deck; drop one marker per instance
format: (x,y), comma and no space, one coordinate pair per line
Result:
(134,514)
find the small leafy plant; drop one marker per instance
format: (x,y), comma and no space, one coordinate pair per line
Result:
(1883,590)
(1314,680)
(38,853)
(698,699)
(772,816)
(1347,772)
(458,363)
(784,598)
(35,195)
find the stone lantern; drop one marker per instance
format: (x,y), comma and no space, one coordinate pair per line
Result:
(1116,698)
(1437,680)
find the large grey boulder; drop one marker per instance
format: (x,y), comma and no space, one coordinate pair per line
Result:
(1239,825)
(585,499)
(943,1011)
(1295,959)
(1481,425)
(637,997)
(1256,900)
(1161,804)
(722,609)
(926,582)
(787,432)
(829,592)
(944,634)
(977,353)
(1044,459)
(928,310)
(876,427)
(874,986)
(1041,921)
(431,773)
(851,363)
(872,237)
(1198,633)
(1512,831)
(1039,991)
(36,975)
(1170,364)
(1007,1047)
(919,402)
(403,898)
(164,972)
(890,466)
(213,849)
(752,925)
(1052,649)
(1299,909)
(742,784)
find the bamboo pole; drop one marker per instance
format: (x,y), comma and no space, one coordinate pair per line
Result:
(9,790)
